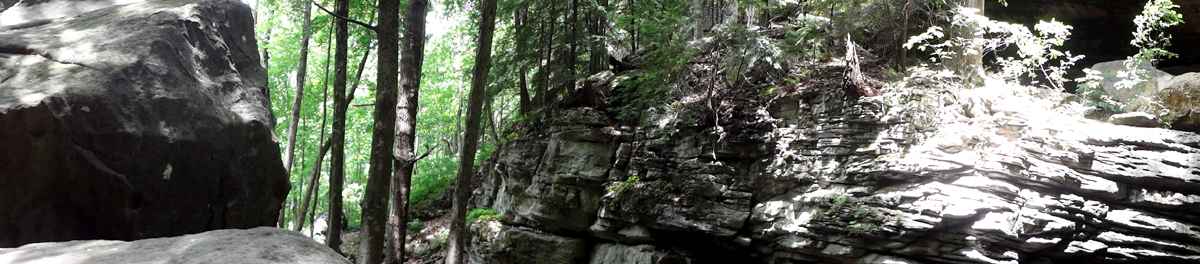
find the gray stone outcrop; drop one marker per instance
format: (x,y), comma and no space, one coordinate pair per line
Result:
(1000,174)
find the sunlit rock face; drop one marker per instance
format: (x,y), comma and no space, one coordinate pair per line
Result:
(134,121)
(263,245)
(998,174)
(1180,97)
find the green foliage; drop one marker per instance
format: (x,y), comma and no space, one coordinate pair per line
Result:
(1150,37)
(657,85)
(439,242)
(1151,40)
(746,50)
(1038,55)
(1094,95)
(651,29)
(415,226)
(448,57)
(615,190)
(860,217)
(810,41)
(482,214)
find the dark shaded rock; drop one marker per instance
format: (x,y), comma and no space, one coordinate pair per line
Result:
(263,245)
(611,253)
(136,121)
(1137,119)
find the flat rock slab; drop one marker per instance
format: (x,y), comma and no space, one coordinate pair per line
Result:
(250,246)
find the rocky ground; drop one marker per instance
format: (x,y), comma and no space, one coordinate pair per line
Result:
(261,245)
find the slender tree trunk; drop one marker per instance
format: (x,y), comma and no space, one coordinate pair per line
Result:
(522,26)
(337,167)
(573,53)
(969,62)
(598,22)
(406,126)
(294,121)
(282,223)
(300,213)
(542,75)
(457,136)
(904,34)
(466,163)
(547,73)
(313,180)
(375,197)
(313,183)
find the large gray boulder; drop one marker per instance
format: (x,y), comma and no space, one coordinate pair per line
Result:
(263,245)
(134,121)
(1109,73)
(1179,102)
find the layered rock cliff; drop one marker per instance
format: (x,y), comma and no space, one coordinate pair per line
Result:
(994,174)
(133,121)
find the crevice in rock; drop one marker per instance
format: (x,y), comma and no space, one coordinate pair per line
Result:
(7,77)
(99,165)
(19,50)
(30,24)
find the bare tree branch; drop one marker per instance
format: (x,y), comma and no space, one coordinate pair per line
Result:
(347,19)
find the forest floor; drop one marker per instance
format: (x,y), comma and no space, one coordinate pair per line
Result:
(428,245)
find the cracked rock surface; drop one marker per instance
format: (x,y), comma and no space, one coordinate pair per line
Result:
(997,174)
(133,121)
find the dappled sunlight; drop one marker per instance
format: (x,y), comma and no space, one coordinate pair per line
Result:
(32,87)
(26,12)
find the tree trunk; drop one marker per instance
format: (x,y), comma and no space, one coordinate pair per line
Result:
(466,162)
(969,61)
(545,71)
(337,166)
(573,54)
(598,22)
(298,215)
(267,68)
(406,126)
(294,121)
(313,180)
(375,197)
(522,27)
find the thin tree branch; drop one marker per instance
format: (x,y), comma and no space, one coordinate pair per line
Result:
(422,156)
(360,23)
(361,105)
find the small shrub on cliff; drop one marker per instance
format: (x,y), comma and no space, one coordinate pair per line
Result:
(1151,40)
(1038,55)
(483,214)
(620,187)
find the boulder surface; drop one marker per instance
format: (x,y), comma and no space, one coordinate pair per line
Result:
(262,245)
(133,121)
